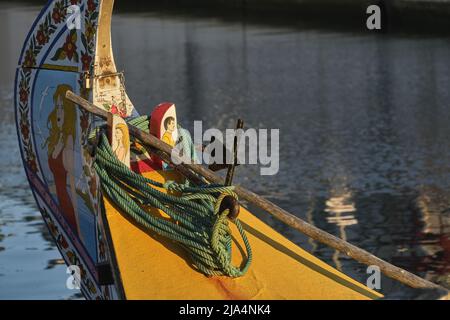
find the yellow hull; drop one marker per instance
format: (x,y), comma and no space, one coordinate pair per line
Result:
(152,267)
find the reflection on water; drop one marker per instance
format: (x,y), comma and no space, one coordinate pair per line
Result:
(364,145)
(340,208)
(435,235)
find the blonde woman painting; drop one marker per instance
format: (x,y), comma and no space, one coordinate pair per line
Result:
(122,141)
(61,124)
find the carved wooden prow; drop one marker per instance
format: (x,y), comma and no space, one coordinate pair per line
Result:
(108,84)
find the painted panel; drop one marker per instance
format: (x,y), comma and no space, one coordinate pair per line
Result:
(53,136)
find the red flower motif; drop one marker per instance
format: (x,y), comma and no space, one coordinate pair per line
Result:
(53,229)
(30,59)
(69,47)
(86,60)
(91,5)
(71,257)
(56,15)
(62,242)
(25,130)
(23,95)
(32,165)
(90,32)
(41,37)
(114,109)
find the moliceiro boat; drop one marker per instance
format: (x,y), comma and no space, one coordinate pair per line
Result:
(132,223)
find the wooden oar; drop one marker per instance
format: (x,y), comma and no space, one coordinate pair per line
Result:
(165,151)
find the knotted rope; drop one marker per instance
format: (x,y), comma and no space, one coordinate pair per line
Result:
(196,222)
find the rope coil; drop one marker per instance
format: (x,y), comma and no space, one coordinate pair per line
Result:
(196,222)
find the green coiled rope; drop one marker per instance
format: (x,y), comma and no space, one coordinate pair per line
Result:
(196,221)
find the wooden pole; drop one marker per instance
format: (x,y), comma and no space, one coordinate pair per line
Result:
(165,151)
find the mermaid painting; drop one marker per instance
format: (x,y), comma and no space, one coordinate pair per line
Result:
(62,134)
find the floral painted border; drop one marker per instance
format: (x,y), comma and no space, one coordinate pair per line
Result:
(70,255)
(37,41)
(24,120)
(49,24)
(43,34)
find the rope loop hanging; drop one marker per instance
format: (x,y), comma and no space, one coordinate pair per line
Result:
(196,220)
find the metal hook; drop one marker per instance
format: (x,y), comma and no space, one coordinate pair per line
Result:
(232,167)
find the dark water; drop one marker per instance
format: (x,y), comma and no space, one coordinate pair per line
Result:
(364,134)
